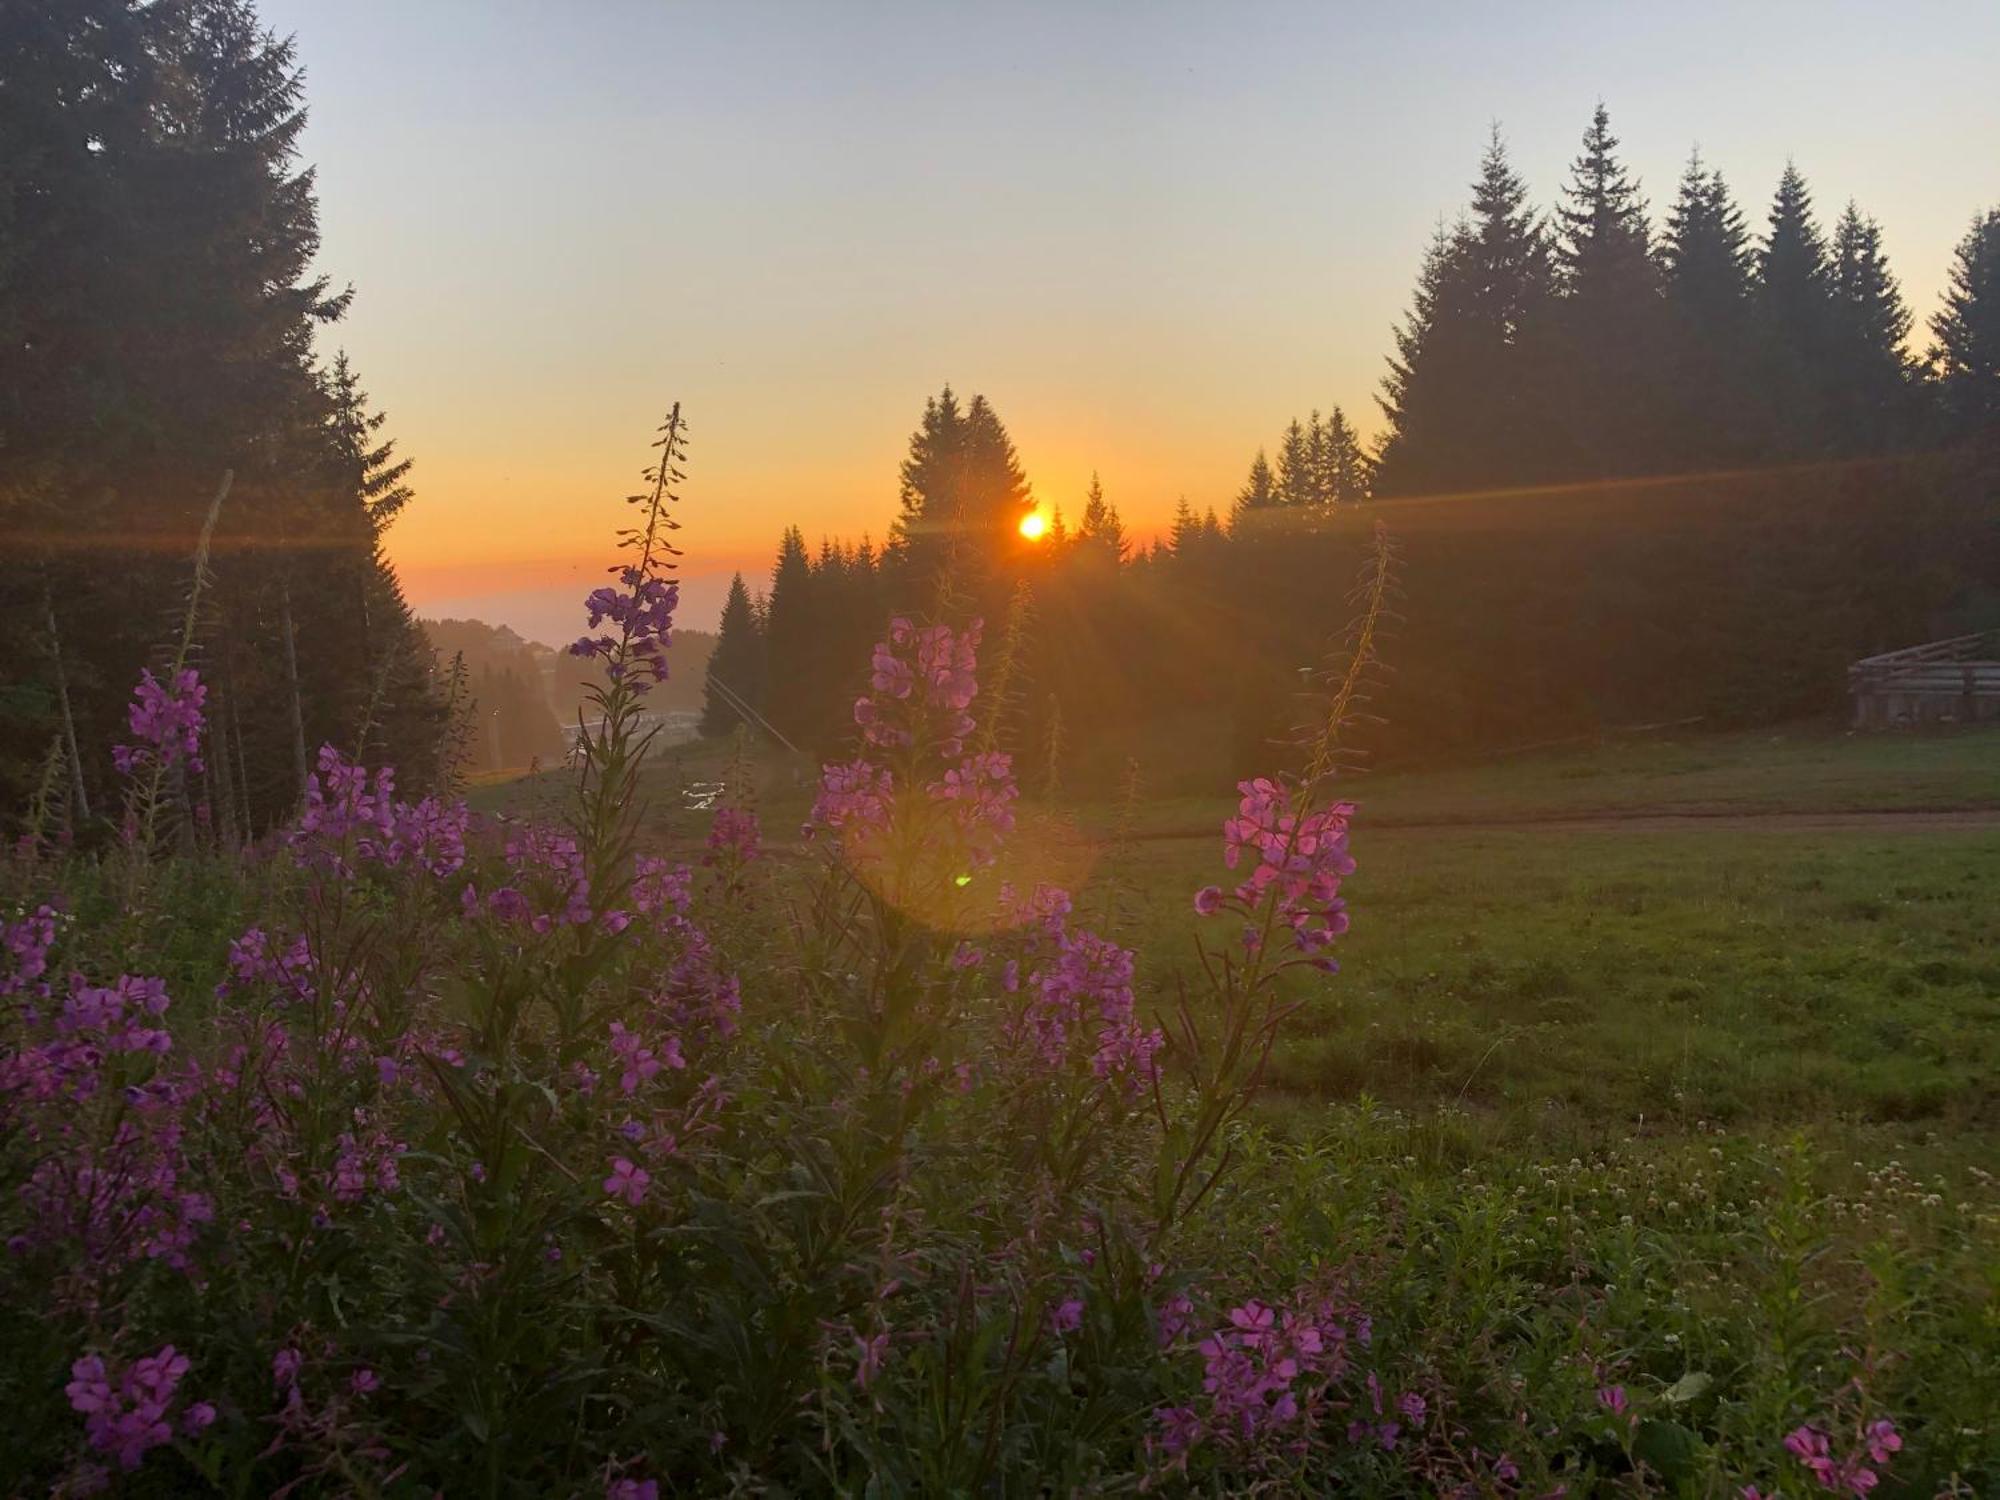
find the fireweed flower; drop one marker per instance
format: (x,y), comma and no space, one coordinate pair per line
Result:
(644,611)
(1300,861)
(166,720)
(733,835)
(628,1180)
(917,804)
(870,1355)
(1077,995)
(128,1416)
(26,944)
(350,817)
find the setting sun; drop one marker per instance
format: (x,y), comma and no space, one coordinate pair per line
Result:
(1034,526)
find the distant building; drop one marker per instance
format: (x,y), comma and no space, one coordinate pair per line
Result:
(1946,682)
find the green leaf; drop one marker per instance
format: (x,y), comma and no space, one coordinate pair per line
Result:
(1689,1387)
(1668,1448)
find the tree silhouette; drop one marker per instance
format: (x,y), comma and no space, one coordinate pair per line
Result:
(1965,353)
(736,666)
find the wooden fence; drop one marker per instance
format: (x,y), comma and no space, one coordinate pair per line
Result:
(1955,681)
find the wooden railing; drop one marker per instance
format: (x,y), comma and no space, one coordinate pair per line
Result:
(1958,678)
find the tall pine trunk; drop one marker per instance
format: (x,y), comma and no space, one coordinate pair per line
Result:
(292,684)
(68,717)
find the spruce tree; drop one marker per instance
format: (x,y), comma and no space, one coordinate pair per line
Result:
(1462,393)
(962,497)
(792,639)
(1965,352)
(1426,387)
(1344,466)
(1869,366)
(1100,526)
(1260,490)
(1296,470)
(158,303)
(1710,382)
(1610,322)
(735,667)
(1792,298)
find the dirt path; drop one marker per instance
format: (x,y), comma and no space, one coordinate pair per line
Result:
(1860,820)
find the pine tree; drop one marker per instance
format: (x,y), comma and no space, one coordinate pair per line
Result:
(793,642)
(1185,533)
(962,497)
(157,315)
(1869,366)
(1792,298)
(1426,387)
(1965,354)
(1260,490)
(1100,527)
(1343,470)
(1462,393)
(735,667)
(1296,469)
(1610,323)
(1705,261)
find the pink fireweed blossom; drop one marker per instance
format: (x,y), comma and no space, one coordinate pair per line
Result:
(638,1063)
(922,680)
(26,944)
(857,797)
(126,1417)
(255,959)
(870,1355)
(644,611)
(166,719)
(1081,995)
(348,821)
(979,793)
(548,886)
(628,1180)
(1814,1449)
(1300,863)
(733,835)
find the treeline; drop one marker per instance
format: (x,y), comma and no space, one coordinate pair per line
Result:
(1593,343)
(1690,473)
(158,319)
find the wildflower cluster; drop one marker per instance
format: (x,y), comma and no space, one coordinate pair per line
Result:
(166,720)
(1271,1376)
(129,1413)
(1076,991)
(644,613)
(917,713)
(1855,1472)
(346,819)
(1301,858)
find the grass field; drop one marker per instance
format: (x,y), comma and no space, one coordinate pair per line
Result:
(1747,930)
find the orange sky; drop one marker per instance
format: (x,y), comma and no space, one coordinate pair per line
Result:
(1150,234)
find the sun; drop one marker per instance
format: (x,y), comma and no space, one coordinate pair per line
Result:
(1034,526)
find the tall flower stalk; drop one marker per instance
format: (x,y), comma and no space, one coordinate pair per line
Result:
(633,662)
(1289,905)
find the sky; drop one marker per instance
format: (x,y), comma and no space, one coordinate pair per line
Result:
(1149,234)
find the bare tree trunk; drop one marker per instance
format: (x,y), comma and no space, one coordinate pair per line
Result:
(292,686)
(68,718)
(222,788)
(242,773)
